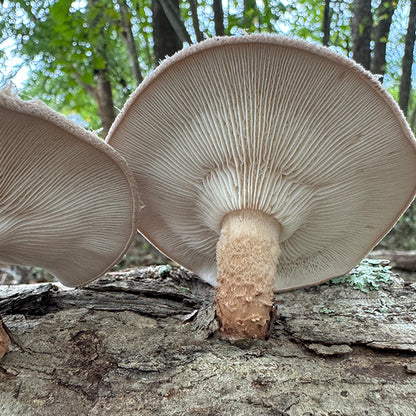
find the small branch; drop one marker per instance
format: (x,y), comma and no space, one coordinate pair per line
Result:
(128,39)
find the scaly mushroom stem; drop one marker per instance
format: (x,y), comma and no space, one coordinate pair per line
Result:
(247,256)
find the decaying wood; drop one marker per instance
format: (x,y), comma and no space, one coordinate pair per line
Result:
(400,259)
(142,342)
(4,340)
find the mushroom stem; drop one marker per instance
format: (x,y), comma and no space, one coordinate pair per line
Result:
(247,256)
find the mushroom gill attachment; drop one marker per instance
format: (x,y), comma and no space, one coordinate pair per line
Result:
(247,257)
(68,202)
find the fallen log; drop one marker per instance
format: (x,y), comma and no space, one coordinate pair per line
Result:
(399,259)
(143,342)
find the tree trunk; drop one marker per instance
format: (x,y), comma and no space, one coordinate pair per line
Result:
(104,98)
(361,26)
(165,39)
(193,4)
(128,38)
(143,342)
(407,62)
(171,10)
(384,17)
(218,17)
(102,92)
(326,23)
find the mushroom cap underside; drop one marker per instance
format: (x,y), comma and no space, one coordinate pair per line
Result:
(68,202)
(272,124)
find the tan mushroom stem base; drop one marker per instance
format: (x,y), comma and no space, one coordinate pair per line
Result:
(247,256)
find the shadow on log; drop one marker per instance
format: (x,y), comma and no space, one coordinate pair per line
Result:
(143,342)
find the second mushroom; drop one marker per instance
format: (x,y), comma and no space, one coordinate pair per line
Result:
(265,164)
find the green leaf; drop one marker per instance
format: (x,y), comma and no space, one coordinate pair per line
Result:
(99,62)
(88,78)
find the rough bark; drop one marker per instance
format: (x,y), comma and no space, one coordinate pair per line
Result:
(406,78)
(361,26)
(128,39)
(142,343)
(381,30)
(165,39)
(326,23)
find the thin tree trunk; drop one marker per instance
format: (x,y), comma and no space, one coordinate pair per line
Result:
(148,39)
(171,9)
(407,62)
(361,26)
(326,23)
(218,17)
(384,17)
(128,38)
(165,39)
(104,97)
(102,92)
(195,21)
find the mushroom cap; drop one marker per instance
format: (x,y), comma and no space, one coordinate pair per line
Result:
(68,202)
(272,124)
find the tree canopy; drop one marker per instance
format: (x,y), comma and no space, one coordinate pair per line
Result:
(84,57)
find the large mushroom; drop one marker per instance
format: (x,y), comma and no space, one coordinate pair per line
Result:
(68,202)
(247,147)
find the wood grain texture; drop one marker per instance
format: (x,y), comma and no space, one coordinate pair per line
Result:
(141,342)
